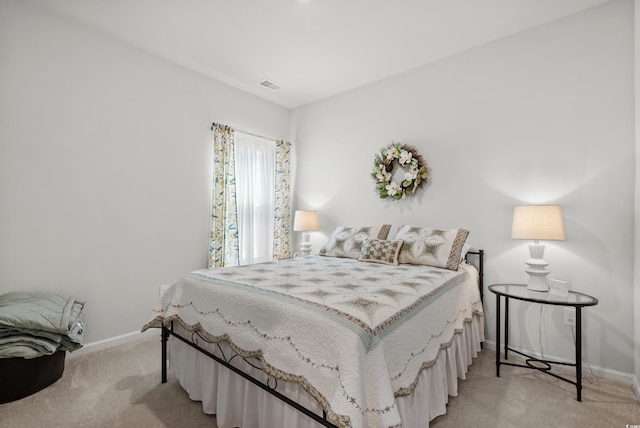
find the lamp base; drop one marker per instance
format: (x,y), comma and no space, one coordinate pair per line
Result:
(537,272)
(537,282)
(305,245)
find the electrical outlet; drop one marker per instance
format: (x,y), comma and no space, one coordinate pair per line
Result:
(570,316)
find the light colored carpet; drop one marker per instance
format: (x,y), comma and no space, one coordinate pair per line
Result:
(116,388)
(527,398)
(120,387)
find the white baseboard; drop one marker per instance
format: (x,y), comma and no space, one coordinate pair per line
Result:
(636,387)
(115,341)
(627,378)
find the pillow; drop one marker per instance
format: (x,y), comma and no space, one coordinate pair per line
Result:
(465,250)
(433,247)
(380,251)
(347,241)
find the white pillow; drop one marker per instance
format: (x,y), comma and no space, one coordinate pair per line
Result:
(465,249)
(433,247)
(347,241)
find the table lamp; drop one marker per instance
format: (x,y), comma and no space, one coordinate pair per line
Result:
(537,222)
(305,222)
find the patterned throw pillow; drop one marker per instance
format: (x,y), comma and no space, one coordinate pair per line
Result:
(380,251)
(433,247)
(347,241)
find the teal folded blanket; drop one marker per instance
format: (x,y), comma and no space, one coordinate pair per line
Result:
(36,324)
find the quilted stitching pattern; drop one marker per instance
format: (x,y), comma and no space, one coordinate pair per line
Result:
(380,251)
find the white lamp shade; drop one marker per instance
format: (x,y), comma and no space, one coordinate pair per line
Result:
(538,222)
(305,221)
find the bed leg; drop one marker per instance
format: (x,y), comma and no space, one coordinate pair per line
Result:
(165,337)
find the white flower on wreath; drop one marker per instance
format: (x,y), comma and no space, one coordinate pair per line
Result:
(392,188)
(392,153)
(405,157)
(411,175)
(383,175)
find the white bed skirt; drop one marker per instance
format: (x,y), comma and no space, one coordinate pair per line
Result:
(237,402)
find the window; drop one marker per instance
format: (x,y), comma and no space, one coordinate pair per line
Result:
(255,184)
(250,178)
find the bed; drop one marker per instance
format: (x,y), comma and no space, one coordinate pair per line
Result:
(328,340)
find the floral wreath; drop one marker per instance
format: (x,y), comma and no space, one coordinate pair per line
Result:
(408,158)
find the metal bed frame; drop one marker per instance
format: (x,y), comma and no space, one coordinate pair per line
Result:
(268,387)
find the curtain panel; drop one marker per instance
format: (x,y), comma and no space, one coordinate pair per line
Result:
(282,214)
(224,247)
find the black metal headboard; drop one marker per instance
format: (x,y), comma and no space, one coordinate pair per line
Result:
(480,266)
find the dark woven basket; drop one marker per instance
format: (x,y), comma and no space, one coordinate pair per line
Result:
(22,377)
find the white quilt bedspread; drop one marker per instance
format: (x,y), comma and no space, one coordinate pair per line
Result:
(353,334)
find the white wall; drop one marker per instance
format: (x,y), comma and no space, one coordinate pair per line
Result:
(544,116)
(105,165)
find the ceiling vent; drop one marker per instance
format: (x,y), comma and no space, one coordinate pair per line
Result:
(270,84)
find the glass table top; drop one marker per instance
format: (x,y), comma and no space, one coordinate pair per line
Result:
(520,292)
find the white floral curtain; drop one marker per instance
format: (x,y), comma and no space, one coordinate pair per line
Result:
(223,248)
(282,214)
